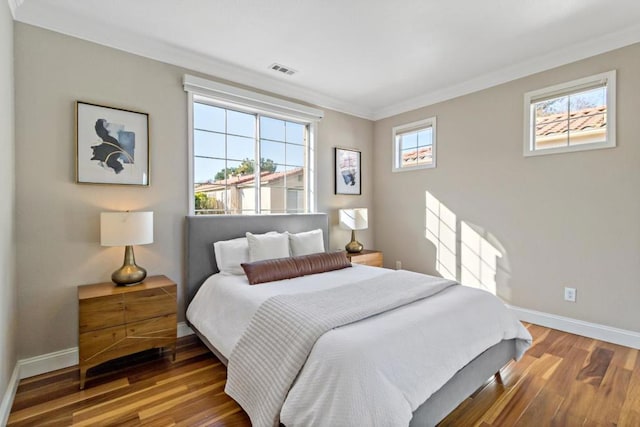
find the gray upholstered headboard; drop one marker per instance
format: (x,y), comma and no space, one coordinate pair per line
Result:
(203,230)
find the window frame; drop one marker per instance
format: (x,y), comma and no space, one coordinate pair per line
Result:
(416,126)
(246,101)
(565,89)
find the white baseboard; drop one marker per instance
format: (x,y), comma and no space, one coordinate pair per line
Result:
(184,330)
(9,394)
(579,327)
(48,362)
(65,358)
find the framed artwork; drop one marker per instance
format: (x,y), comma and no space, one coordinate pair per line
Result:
(112,145)
(348,172)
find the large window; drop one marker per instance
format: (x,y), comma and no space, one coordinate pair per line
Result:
(248,160)
(574,116)
(414,145)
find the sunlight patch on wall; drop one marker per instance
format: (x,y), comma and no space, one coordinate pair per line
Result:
(463,253)
(441,231)
(478,260)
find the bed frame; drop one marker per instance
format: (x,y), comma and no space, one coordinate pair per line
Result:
(202,231)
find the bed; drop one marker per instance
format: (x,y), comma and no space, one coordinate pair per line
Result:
(203,231)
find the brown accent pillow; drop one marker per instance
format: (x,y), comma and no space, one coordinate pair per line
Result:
(270,270)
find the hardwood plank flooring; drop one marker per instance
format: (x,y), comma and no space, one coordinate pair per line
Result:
(563,380)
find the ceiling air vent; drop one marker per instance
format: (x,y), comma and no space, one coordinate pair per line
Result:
(282,69)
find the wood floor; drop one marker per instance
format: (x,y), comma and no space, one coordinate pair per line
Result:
(563,380)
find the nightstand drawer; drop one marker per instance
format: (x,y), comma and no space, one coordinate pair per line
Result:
(164,326)
(119,345)
(367,257)
(102,312)
(106,344)
(150,303)
(95,343)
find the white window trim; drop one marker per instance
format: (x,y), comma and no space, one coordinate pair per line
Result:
(420,124)
(562,88)
(245,100)
(256,102)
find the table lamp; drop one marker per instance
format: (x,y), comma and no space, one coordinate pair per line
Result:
(353,219)
(127,229)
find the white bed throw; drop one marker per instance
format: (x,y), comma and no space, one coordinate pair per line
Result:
(270,354)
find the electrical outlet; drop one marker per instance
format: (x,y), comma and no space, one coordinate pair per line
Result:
(398,265)
(570,294)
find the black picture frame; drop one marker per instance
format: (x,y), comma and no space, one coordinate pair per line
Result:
(112,145)
(348,171)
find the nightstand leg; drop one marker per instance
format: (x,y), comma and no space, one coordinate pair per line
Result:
(174,352)
(83,376)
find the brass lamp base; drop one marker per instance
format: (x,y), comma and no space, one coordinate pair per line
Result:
(129,274)
(354,247)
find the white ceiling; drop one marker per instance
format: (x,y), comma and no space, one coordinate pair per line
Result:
(370,58)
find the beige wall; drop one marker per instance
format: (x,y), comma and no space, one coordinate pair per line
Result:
(345,131)
(8,300)
(555,221)
(58,226)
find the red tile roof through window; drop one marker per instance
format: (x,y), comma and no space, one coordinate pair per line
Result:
(245,179)
(581,120)
(420,155)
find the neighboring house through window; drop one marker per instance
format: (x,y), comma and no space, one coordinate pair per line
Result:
(574,116)
(250,153)
(414,145)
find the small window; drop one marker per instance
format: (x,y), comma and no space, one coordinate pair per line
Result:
(573,116)
(414,145)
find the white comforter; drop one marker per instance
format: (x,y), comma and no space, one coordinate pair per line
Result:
(380,369)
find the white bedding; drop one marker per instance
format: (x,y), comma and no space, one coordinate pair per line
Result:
(411,351)
(225,303)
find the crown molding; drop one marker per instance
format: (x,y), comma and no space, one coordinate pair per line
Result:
(551,60)
(66,22)
(13,6)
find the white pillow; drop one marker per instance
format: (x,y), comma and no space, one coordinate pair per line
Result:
(230,254)
(267,246)
(306,243)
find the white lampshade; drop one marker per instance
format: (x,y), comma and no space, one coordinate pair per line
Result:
(354,219)
(126,228)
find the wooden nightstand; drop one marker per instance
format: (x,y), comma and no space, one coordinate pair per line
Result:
(115,321)
(366,257)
